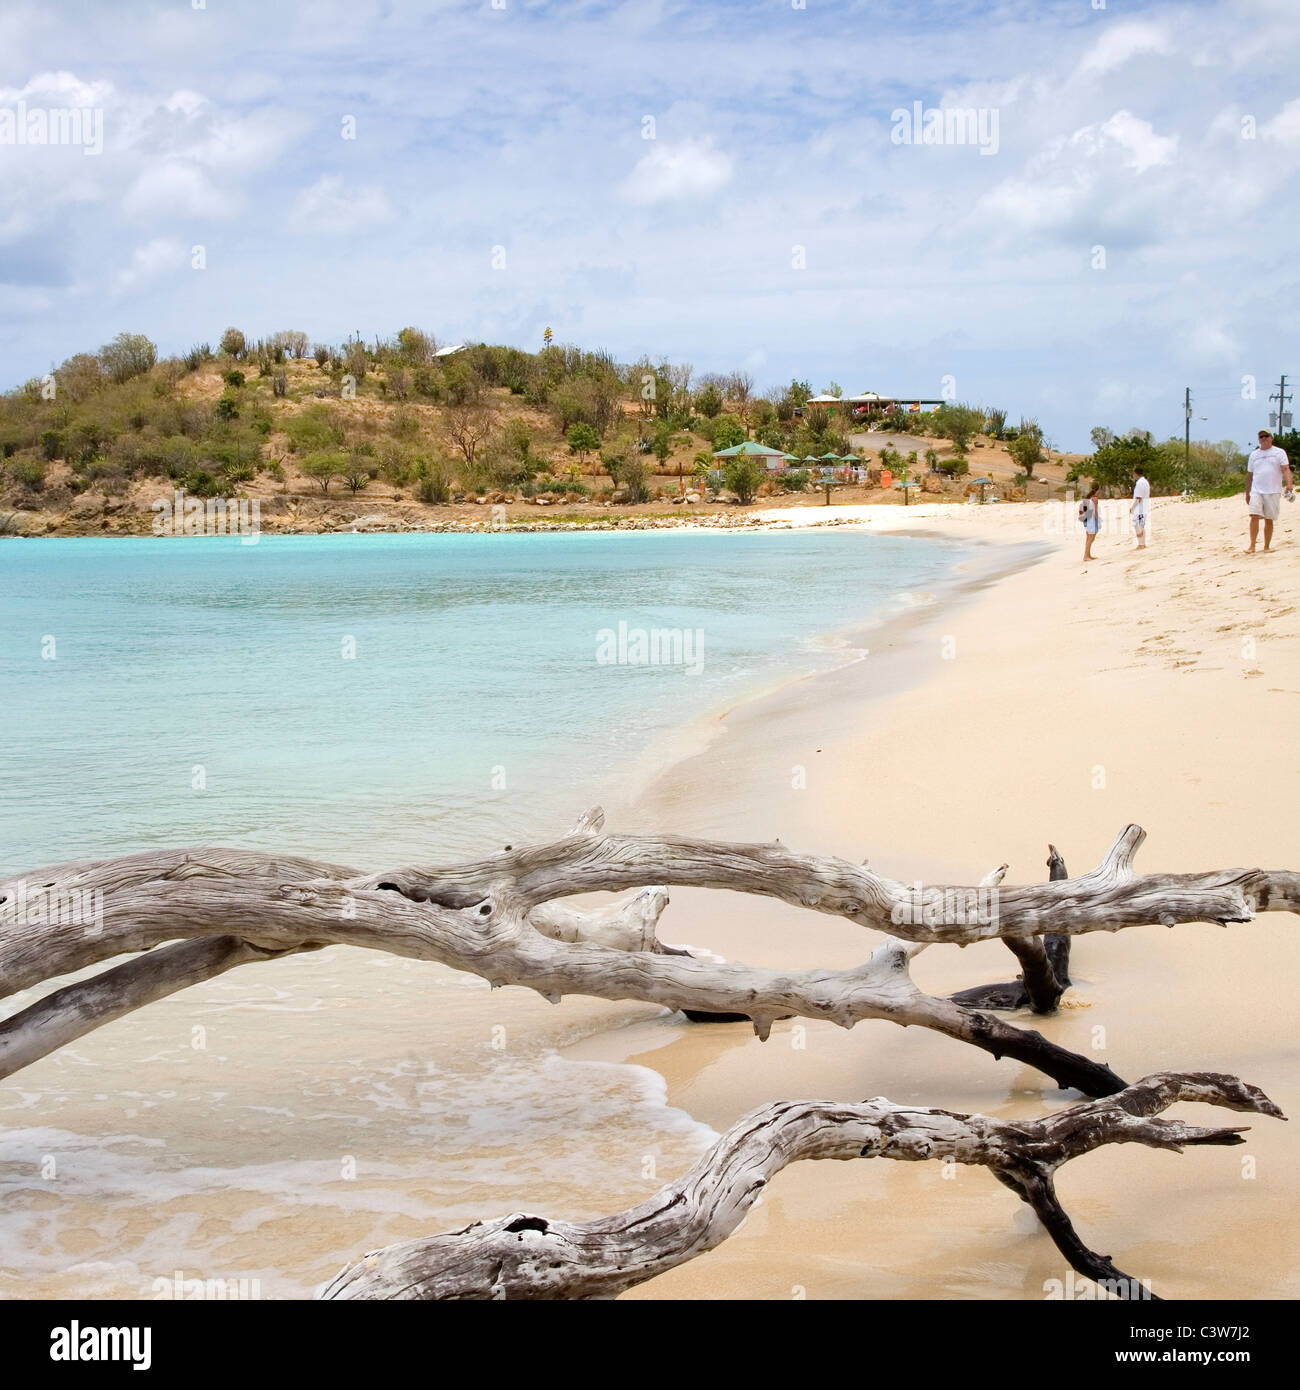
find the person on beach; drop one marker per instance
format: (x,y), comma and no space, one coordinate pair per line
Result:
(1268,471)
(1141,506)
(1088,514)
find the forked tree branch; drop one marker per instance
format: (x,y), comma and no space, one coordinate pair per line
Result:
(524,1256)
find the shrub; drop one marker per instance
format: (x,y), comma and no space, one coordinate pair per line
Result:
(51,444)
(743,477)
(291,341)
(357,472)
(415,346)
(197,356)
(28,473)
(433,481)
(227,408)
(630,471)
(80,376)
(235,379)
(243,472)
(794,481)
(314,429)
(357,360)
(279,384)
(128,355)
(233,343)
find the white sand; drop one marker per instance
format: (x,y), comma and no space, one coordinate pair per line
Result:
(1059,705)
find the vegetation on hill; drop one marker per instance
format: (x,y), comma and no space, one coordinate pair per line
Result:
(562,421)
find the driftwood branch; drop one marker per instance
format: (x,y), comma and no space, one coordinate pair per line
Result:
(498,918)
(524,1256)
(1044,961)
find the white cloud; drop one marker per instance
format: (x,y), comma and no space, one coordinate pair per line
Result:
(690,169)
(1145,149)
(154,258)
(1121,44)
(1285,126)
(173,189)
(58,89)
(328,206)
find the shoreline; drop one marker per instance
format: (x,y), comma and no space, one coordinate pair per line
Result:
(943,779)
(895,632)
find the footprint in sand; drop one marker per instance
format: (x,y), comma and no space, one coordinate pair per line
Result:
(1255,672)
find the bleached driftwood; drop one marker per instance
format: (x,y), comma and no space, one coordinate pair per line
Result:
(1044,961)
(497,918)
(523,1256)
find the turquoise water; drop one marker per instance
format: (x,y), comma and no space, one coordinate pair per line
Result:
(371,698)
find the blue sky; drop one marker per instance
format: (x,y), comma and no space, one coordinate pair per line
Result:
(771,224)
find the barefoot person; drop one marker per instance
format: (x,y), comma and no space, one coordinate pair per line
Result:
(1091,521)
(1141,507)
(1268,471)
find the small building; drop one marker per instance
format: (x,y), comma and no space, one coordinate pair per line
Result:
(771,459)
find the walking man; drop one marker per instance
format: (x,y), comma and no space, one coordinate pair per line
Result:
(1141,506)
(1268,470)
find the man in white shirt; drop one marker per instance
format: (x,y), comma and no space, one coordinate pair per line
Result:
(1268,471)
(1141,507)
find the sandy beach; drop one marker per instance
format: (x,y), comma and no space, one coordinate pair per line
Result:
(1009,707)
(1059,703)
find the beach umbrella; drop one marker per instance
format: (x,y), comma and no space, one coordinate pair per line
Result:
(981,483)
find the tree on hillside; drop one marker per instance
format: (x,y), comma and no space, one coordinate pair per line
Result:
(740,388)
(793,397)
(292,342)
(582,439)
(727,432)
(416,346)
(80,376)
(469,428)
(708,401)
(519,439)
(356,360)
(233,343)
(324,466)
(957,423)
(128,355)
(628,470)
(1026,449)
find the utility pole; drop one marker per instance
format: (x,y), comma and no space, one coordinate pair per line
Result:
(1187,434)
(1283,421)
